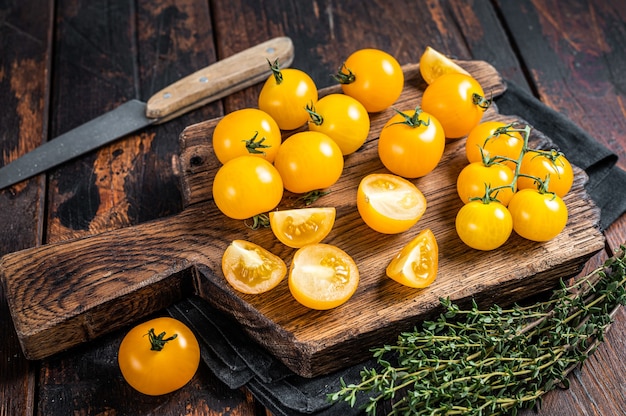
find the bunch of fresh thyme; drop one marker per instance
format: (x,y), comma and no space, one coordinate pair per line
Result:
(496,361)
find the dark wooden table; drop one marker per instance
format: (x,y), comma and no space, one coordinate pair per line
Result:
(64,62)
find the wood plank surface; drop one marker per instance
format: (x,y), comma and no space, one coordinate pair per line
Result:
(569,54)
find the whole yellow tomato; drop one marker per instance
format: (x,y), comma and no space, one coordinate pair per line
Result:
(159,356)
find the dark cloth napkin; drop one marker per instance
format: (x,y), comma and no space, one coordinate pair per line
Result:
(239,361)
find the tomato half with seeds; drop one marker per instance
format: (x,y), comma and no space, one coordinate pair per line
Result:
(301,226)
(417,263)
(372,76)
(544,164)
(495,138)
(457,101)
(484,225)
(159,356)
(538,216)
(248,131)
(247,186)
(250,268)
(389,203)
(309,161)
(343,119)
(411,143)
(322,276)
(475,177)
(285,95)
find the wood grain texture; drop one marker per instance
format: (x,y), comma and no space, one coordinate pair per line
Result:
(88,287)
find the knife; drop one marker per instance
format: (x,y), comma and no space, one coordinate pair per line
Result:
(211,83)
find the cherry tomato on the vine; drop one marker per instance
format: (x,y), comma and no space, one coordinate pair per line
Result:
(159,356)
(473,177)
(247,186)
(309,161)
(343,119)
(411,144)
(493,142)
(457,101)
(248,131)
(285,95)
(484,225)
(373,77)
(538,216)
(540,164)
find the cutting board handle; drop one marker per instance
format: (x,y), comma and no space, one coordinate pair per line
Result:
(63,294)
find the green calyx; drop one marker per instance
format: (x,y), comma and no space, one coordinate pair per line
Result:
(253,146)
(316,118)
(157,342)
(412,120)
(275,67)
(346,77)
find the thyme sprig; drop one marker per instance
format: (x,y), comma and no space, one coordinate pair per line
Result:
(495,361)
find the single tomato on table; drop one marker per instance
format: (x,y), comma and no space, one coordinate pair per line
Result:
(285,95)
(537,215)
(247,186)
(484,224)
(411,143)
(248,131)
(343,119)
(159,356)
(249,268)
(309,161)
(388,203)
(301,226)
(322,276)
(373,77)
(417,263)
(457,101)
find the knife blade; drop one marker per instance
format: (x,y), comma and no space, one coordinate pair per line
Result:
(211,83)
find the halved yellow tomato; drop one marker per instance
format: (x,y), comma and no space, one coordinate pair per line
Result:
(389,203)
(299,227)
(417,263)
(322,276)
(433,64)
(249,268)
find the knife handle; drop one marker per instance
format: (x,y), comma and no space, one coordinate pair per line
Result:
(219,79)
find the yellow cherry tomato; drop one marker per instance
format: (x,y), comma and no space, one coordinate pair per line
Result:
(542,164)
(309,161)
(373,77)
(417,263)
(247,186)
(389,203)
(490,137)
(484,225)
(538,216)
(343,119)
(159,356)
(322,276)
(411,144)
(285,95)
(248,131)
(249,268)
(433,64)
(299,227)
(473,179)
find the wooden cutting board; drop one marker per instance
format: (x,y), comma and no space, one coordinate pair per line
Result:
(63,294)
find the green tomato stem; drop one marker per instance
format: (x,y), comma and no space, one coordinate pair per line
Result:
(157,342)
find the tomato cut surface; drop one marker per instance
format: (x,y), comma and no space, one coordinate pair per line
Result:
(434,64)
(299,227)
(322,276)
(388,203)
(417,263)
(249,268)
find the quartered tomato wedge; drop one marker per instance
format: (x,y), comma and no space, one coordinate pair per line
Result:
(322,276)
(389,203)
(434,64)
(299,227)
(249,268)
(416,264)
